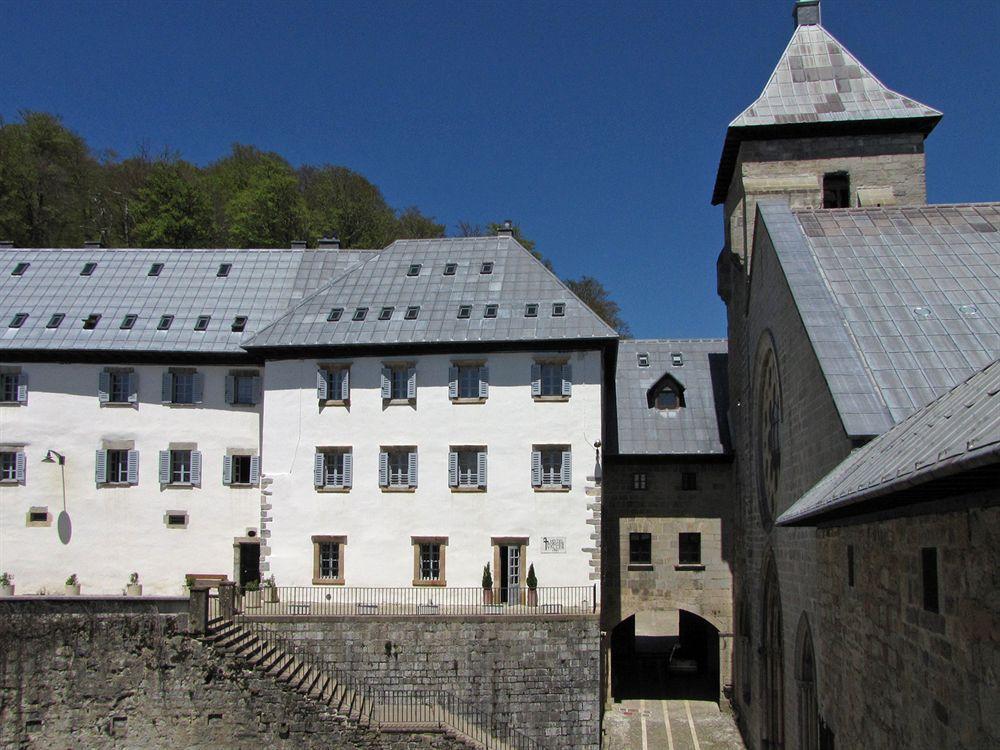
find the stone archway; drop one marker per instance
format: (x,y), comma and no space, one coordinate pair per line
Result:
(773,672)
(805,676)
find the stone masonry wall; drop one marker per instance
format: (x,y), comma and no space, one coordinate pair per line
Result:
(99,681)
(540,675)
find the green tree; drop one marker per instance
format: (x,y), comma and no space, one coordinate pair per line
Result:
(342,203)
(172,208)
(598,299)
(413,225)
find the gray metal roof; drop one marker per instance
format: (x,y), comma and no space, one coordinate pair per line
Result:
(261,285)
(698,427)
(517,279)
(958,432)
(900,304)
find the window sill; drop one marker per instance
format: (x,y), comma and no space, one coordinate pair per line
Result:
(12,403)
(420,582)
(333,489)
(552,489)
(185,404)
(640,566)
(550,398)
(9,482)
(241,485)
(245,406)
(112,485)
(689,566)
(468,489)
(180,485)
(120,404)
(399,401)
(468,400)
(328,581)
(399,489)
(334,402)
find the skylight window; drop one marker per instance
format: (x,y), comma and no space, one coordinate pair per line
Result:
(490,311)
(558,309)
(155,269)
(165,322)
(128,322)
(239,323)
(487,267)
(412,312)
(385,313)
(450,269)
(360,313)
(18,320)
(19,269)
(201,324)
(413,270)
(531,310)
(91,321)
(677,359)
(334,315)
(642,359)
(224,269)
(56,320)
(88,269)
(464,311)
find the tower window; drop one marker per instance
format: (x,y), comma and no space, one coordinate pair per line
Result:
(928,556)
(640,548)
(836,190)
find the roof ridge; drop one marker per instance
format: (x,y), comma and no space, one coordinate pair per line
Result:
(710,339)
(864,209)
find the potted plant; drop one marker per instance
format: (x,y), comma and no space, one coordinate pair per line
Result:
(270,591)
(251,594)
(532,586)
(134,588)
(487,585)
(72,586)
(6,584)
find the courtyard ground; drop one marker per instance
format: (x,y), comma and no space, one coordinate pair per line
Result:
(639,724)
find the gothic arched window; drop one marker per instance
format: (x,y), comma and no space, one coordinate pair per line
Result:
(767,429)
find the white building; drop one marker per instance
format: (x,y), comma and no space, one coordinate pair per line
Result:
(251,419)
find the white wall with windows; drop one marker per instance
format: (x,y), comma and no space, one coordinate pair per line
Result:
(467,449)
(106,509)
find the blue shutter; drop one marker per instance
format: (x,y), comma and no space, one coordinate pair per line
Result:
(345,384)
(567,379)
(322,384)
(104,386)
(133,387)
(453,382)
(536,379)
(567,469)
(20,464)
(383,469)
(318,477)
(484,382)
(227,469)
(164,467)
(230,389)
(386,382)
(167,389)
(411,382)
(481,466)
(22,388)
(197,386)
(196,468)
(256,387)
(101,467)
(348,469)
(412,468)
(452,469)
(536,468)
(254,469)
(133,467)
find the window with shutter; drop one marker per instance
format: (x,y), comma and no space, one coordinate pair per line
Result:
(196,468)
(254,469)
(383,469)
(453,382)
(240,470)
(399,382)
(551,467)
(334,466)
(227,469)
(116,471)
(8,466)
(551,380)
(104,387)
(133,467)
(484,382)
(101,467)
(467,467)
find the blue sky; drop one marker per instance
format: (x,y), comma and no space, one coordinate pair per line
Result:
(596,126)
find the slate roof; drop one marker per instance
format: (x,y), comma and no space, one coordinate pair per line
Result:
(697,428)
(900,303)
(261,285)
(818,84)
(958,432)
(517,279)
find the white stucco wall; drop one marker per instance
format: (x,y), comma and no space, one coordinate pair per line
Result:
(378,524)
(119,530)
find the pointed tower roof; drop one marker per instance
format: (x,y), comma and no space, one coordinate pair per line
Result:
(819,88)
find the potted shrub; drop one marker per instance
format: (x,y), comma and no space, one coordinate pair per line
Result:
(532,586)
(270,591)
(6,584)
(134,588)
(251,594)
(72,586)
(487,585)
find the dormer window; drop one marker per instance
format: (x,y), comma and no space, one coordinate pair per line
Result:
(450,269)
(224,269)
(836,190)
(91,321)
(486,268)
(667,394)
(88,269)
(667,398)
(531,310)
(642,359)
(413,270)
(239,323)
(677,359)
(558,309)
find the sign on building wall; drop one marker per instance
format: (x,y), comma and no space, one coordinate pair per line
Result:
(554,545)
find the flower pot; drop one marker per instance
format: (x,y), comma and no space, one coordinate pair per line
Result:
(7,590)
(72,589)
(532,597)
(487,596)
(133,589)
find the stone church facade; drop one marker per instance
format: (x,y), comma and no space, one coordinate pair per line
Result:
(866,521)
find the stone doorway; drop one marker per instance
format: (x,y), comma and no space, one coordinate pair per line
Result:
(247,561)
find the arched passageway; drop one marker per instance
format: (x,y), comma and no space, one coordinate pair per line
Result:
(657,665)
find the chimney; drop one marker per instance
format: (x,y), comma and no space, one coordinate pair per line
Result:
(806,13)
(298,244)
(329,243)
(91,244)
(506,229)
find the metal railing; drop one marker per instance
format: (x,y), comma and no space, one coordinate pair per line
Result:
(342,600)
